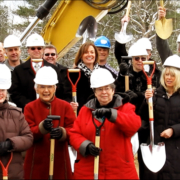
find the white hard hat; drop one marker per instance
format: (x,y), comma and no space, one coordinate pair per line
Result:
(178,39)
(145,42)
(46,76)
(137,50)
(173,61)
(11,41)
(101,77)
(5,77)
(35,40)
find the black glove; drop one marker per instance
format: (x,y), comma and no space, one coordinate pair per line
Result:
(47,124)
(93,150)
(124,68)
(131,94)
(5,146)
(103,112)
(56,133)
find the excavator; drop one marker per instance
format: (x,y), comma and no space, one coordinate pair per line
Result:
(62,26)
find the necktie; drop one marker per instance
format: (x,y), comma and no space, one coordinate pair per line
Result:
(36,67)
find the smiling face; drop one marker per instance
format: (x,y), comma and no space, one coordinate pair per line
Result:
(88,57)
(3,95)
(103,55)
(2,53)
(13,53)
(46,92)
(137,63)
(169,79)
(50,55)
(104,94)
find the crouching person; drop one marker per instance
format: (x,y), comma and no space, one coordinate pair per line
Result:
(117,123)
(15,134)
(37,157)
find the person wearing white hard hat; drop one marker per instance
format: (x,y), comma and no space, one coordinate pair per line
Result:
(117,121)
(2,53)
(166,100)
(137,85)
(36,165)
(22,90)
(15,134)
(12,47)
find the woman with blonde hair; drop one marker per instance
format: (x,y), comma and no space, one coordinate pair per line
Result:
(166,100)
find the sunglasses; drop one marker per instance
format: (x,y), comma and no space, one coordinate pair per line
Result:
(52,54)
(38,48)
(138,58)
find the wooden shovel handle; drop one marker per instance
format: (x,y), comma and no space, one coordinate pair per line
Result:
(96,159)
(127,83)
(128,8)
(161,3)
(51,165)
(148,62)
(150,106)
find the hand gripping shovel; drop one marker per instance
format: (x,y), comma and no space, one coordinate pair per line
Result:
(52,147)
(122,37)
(154,156)
(5,169)
(87,29)
(97,144)
(164,27)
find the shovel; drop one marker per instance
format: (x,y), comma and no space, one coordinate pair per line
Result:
(121,37)
(154,156)
(163,27)
(87,29)
(5,168)
(52,147)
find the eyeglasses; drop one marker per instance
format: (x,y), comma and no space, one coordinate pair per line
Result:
(38,48)
(107,89)
(138,58)
(52,54)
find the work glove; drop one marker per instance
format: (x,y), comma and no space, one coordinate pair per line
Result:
(5,146)
(56,133)
(131,94)
(124,68)
(93,150)
(47,124)
(103,112)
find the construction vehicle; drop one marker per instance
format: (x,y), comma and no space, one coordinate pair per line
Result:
(61,28)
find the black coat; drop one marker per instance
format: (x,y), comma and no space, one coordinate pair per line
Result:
(22,90)
(166,115)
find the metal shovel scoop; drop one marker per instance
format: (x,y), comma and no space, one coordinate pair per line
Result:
(164,27)
(122,37)
(154,156)
(87,29)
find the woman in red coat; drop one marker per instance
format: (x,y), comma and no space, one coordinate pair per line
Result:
(120,123)
(36,164)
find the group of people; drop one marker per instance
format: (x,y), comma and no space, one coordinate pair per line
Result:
(108,113)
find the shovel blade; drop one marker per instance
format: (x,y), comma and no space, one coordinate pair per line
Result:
(164,28)
(123,38)
(154,157)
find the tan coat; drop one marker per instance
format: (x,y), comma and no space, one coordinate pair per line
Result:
(14,127)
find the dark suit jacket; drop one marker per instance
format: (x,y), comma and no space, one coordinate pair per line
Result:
(22,90)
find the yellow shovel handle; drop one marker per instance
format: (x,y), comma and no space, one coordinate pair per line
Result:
(161,3)
(96,159)
(51,166)
(128,8)
(126,83)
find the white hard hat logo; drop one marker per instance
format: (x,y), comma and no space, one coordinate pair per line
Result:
(103,41)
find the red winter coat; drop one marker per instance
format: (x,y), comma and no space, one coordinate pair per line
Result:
(116,158)
(36,164)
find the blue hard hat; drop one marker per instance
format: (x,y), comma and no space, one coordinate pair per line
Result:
(102,41)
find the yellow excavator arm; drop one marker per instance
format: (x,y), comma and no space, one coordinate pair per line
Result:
(62,26)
